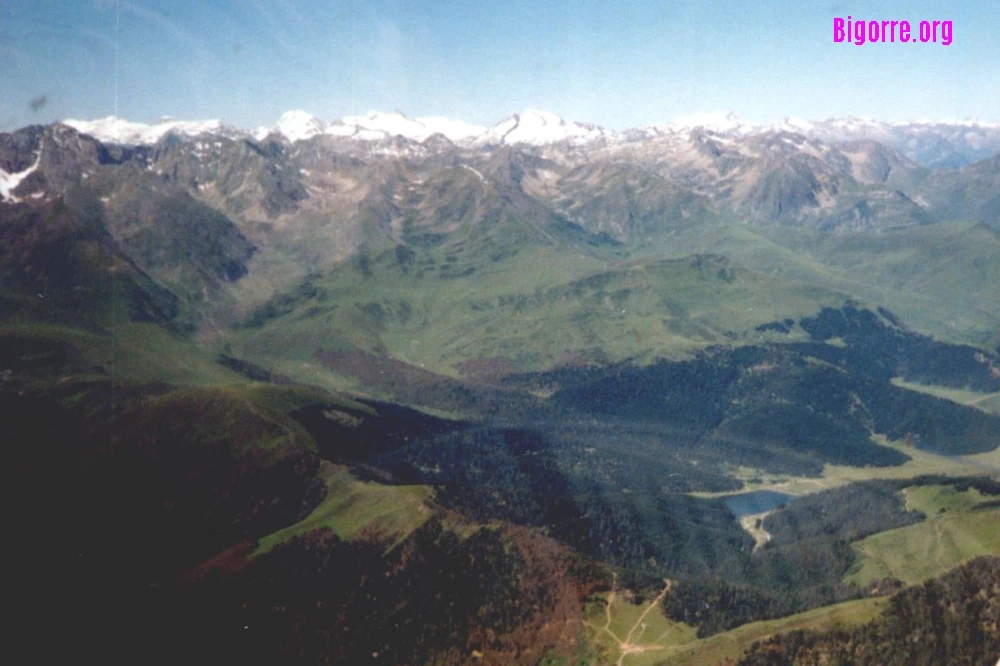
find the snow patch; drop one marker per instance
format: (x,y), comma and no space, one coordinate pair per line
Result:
(10,181)
(475,171)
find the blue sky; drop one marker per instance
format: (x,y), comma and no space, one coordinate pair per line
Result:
(620,64)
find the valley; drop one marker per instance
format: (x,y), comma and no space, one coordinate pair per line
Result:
(536,394)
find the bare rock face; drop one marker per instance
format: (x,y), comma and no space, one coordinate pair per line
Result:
(80,211)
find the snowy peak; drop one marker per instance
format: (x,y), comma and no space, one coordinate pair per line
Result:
(539,128)
(299,125)
(534,117)
(721,122)
(118,130)
(795,125)
(498,133)
(373,126)
(376,125)
(455,130)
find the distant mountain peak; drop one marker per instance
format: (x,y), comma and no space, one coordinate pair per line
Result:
(118,130)
(298,125)
(373,126)
(717,120)
(714,121)
(538,128)
(543,117)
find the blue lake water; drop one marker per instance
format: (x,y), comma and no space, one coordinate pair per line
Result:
(757,501)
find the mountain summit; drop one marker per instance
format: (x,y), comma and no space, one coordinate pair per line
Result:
(539,128)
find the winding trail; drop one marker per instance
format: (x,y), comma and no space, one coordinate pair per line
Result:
(652,605)
(626,646)
(607,609)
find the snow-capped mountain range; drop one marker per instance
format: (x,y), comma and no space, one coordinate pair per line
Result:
(118,130)
(947,143)
(375,126)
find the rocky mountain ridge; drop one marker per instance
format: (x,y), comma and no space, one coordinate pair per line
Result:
(935,144)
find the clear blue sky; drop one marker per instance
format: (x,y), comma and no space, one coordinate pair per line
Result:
(619,63)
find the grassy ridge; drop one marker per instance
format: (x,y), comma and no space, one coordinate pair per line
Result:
(130,351)
(918,552)
(732,644)
(921,463)
(435,309)
(952,619)
(354,507)
(932,500)
(616,623)
(676,644)
(936,277)
(988,402)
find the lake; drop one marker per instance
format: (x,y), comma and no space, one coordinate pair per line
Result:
(756,501)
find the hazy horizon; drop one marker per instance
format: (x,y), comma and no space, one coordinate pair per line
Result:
(618,65)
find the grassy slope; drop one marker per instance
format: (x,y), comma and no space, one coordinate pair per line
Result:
(990,459)
(681,647)
(918,552)
(532,308)
(654,631)
(991,404)
(442,305)
(988,402)
(416,317)
(731,644)
(920,463)
(937,278)
(252,414)
(286,399)
(671,643)
(353,508)
(136,351)
(932,500)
